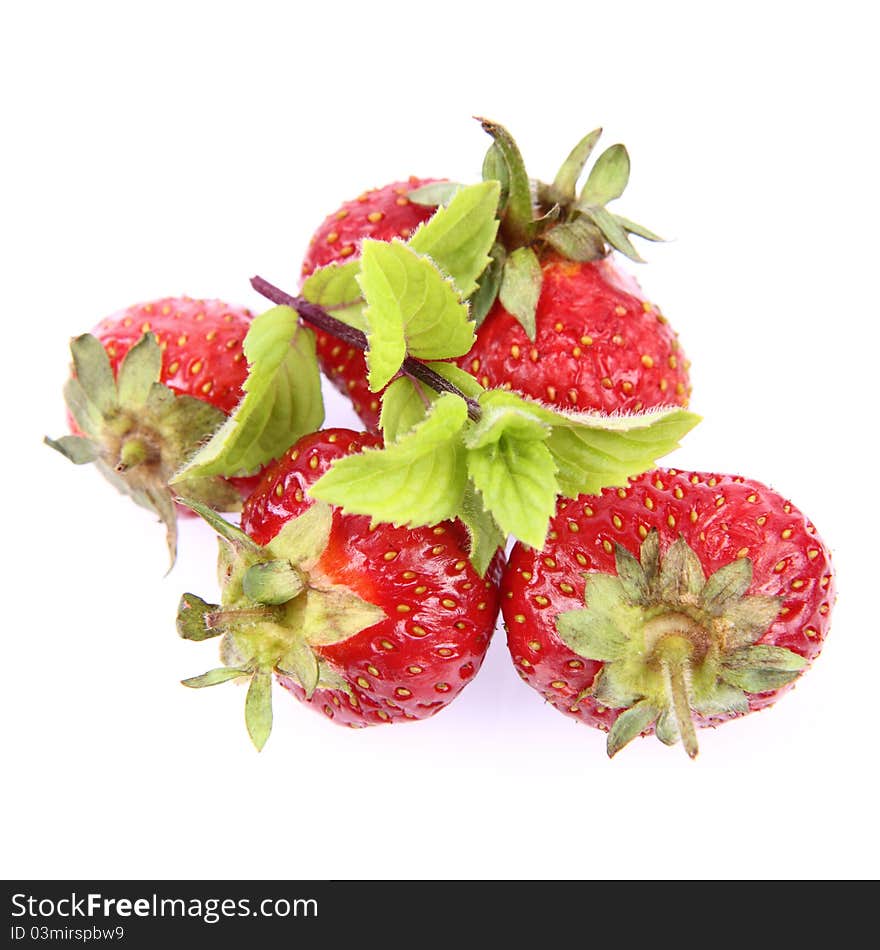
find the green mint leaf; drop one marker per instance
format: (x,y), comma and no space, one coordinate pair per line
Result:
(485,535)
(459,237)
(484,296)
(521,287)
(505,413)
(282,400)
(411,309)
(578,240)
(593,452)
(406,401)
(334,285)
(518,224)
(517,480)
(417,480)
(436,194)
(404,404)
(615,234)
(335,288)
(567,176)
(607,179)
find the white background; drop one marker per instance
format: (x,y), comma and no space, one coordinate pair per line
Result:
(157,149)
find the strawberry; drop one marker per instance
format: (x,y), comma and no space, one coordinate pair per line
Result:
(598,344)
(382,214)
(557,319)
(149,385)
(366,625)
(706,597)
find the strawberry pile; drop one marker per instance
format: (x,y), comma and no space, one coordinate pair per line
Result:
(518,391)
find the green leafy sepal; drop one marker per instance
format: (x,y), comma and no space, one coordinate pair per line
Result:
(674,643)
(277,609)
(137,431)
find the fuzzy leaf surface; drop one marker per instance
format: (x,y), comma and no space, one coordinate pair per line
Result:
(517,480)
(411,309)
(459,237)
(417,480)
(282,400)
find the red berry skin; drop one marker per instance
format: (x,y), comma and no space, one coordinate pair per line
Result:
(201,344)
(440,613)
(599,345)
(722,517)
(381,214)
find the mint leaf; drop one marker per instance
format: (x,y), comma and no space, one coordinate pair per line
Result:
(485,535)
(417,480)
(406,401)
(596,452)
(335,288)
(435,194)
(411,309)
(607,179)
(404,404)
(521,287)
(517,480)
(282,400)
(459,237)
(506,413)
(334,285)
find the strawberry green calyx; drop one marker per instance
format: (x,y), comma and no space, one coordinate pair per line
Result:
(675,645)
(136,430)
(538,218)
(277,609)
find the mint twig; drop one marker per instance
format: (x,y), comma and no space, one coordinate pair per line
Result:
(318,317)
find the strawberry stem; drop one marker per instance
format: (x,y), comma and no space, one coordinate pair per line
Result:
(675,653)
(318,317)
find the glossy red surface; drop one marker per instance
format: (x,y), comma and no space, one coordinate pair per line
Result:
(440,613)
(599,344)
(720,516)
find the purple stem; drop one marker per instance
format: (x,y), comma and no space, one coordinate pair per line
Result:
(318,317)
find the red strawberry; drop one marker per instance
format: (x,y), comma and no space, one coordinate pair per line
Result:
(381,214)
(368,626)
(152,383)
(598,344)
(594,341)
(706,595)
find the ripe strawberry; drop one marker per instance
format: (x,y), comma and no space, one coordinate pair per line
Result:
(706,596)
(381,214)
(368,626)
(569,327)
(149,385)
(599,344)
